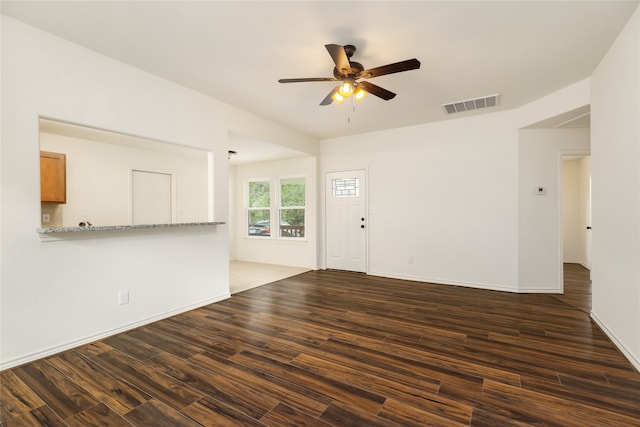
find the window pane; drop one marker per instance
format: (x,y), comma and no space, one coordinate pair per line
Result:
(292,192)
(348,187)
(259,194)
(292,223)
(259,222)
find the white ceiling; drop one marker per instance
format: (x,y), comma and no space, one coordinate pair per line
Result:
(235,51)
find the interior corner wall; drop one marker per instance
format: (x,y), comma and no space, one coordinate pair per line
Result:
(59,294)
(540,243)
(615,168)
(273,250)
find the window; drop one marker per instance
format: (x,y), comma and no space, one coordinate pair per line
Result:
(347,187)
(259,208)
(292,207)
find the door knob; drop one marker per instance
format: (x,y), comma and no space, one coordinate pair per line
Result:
(361,219)
(362,226)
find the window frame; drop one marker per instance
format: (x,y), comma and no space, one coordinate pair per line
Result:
(279,208)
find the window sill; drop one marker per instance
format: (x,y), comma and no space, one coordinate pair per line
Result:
(276,239)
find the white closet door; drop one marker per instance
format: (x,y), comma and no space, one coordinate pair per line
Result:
(151,197)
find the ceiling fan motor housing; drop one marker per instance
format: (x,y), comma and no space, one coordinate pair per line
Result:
(349,50)
(356,67)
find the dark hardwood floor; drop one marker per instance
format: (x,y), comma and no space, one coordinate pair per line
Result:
(328,348)
(577,287)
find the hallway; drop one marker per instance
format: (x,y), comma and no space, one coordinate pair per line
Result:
(577,287)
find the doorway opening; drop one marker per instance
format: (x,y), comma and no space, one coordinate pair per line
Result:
(576,229)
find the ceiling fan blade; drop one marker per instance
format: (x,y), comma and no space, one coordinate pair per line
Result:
(329,98)
(376,90)
(409,64)
(310,79)
(339,57)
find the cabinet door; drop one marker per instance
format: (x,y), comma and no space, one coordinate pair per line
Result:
(53,180)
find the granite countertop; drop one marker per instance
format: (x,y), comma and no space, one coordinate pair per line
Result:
(122,227)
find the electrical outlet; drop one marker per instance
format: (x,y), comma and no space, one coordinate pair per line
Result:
(410,259)
(46,218)
(123,297)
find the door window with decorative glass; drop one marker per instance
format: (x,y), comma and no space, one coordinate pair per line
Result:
(292,207)
(259,208)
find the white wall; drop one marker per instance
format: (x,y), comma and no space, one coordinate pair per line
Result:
(233,235)
(540,225)
(58,294)
(99,180)
(576,176)
(444,193)
(457,196)
(272,250)
(615,165)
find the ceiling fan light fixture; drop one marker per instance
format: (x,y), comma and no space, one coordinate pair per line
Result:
(359,93)
(338,98)
(346,89)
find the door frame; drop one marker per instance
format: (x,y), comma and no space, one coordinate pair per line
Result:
(325,216)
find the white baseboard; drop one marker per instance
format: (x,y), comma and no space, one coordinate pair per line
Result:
(76,343)
(624,350)
(445,282)
(588,267)
(568,261)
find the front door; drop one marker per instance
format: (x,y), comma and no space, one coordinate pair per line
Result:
(346,220)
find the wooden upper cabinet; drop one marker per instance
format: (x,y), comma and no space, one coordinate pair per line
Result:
(53,177)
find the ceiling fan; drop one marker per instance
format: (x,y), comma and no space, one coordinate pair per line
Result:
(350,72)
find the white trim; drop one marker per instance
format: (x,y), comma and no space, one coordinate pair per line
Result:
(474,285)
(576,261)
(247,208)
(76,343)
(625,351)
(278,208)
(588,267)
(560,202)
(560,220)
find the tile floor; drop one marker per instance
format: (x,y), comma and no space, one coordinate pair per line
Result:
(247,275)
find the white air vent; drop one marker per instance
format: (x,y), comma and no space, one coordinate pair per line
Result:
(471,104)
